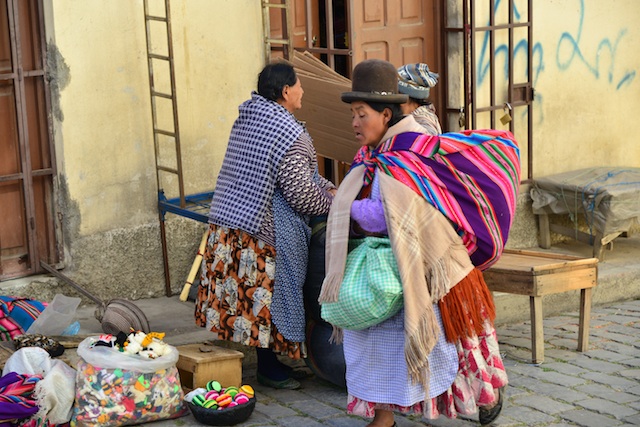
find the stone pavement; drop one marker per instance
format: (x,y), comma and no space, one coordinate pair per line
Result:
(598,388)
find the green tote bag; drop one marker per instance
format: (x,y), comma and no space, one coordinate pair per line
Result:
(371,291)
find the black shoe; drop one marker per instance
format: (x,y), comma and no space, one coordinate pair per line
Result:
(287,384)
(487,416)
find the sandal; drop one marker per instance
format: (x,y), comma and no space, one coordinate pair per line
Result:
(487,416)
(288,384)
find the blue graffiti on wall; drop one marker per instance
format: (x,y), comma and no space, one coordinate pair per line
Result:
(575,52)
(568,50)
(521,47)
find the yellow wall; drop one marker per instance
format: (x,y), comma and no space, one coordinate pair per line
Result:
(587,82)
(104,141)
(585,76)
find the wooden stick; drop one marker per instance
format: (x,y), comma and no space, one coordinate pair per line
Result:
(194,268)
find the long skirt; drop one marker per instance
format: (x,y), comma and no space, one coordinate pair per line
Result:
(480,372)
(236,285)
(468,312)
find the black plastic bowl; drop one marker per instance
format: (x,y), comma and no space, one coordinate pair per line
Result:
(223,417)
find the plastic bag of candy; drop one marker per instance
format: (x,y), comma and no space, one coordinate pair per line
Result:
(118,388)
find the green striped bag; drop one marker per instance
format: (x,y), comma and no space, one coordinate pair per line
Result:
(371,291)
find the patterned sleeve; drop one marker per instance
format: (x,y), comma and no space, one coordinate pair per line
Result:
(306,195)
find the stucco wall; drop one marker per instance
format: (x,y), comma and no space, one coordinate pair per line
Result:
(103,131)
(584,73)
(586,66)
(586,99)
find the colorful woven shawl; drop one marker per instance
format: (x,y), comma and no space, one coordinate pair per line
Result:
(472,177)
(16,397)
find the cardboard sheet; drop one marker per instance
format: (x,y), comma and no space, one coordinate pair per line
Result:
(327,118)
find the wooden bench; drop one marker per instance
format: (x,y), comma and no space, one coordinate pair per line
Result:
(537,274)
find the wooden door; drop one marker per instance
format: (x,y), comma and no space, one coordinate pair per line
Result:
(399,31)
(27,231)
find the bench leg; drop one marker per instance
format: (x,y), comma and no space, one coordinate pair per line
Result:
(537,332)
(598,248)
(585,318)
(545,232)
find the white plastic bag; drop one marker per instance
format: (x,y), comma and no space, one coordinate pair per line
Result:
(111,358)
(114,388)
(56,317)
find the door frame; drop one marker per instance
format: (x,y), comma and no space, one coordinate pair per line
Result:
(52,244)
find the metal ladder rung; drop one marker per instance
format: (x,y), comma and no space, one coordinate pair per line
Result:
(168,169)
(278,41)
(275,5)
(156,56)
(162,95)
(155,18)
(164,132)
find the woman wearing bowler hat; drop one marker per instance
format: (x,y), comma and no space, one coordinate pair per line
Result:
(444,228)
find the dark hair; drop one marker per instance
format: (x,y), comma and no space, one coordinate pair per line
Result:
(396,110)
(273,78)
(421,102)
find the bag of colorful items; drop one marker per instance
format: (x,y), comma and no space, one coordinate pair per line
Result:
(127,379)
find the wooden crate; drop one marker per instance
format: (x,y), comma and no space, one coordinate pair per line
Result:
(197,367)
(537,274)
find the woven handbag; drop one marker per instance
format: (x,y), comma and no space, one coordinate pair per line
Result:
(371,290)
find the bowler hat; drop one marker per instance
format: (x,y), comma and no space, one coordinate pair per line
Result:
(374,80)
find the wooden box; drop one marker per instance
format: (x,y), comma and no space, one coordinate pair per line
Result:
(537,274)
(197,367)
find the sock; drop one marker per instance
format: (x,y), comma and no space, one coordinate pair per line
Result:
(270,366)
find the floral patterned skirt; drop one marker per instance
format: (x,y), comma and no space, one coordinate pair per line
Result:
(480,372)
(236,285)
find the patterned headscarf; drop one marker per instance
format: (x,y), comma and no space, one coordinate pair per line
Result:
(416,80)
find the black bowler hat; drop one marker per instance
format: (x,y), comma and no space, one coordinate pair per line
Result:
(374,80)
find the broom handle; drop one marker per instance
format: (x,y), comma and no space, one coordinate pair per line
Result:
(194,268)
(70,282)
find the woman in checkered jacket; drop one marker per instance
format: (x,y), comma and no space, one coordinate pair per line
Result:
(255,259)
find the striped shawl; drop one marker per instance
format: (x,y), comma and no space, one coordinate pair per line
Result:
(471,177)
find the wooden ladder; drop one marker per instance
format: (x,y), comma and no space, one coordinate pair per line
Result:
(166,130)
(283,41)
(162,89)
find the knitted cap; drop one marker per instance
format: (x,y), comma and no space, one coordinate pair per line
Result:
(416,80)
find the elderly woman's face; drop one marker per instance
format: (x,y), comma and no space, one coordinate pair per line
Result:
(368,124)
(292,97)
